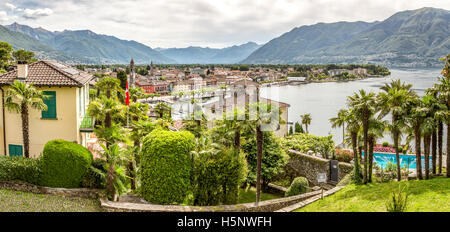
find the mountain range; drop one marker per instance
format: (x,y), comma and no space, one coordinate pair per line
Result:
(85,46)
(200,55)
(408,38)
(90,46)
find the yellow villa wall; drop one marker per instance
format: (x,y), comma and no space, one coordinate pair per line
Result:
(66,126)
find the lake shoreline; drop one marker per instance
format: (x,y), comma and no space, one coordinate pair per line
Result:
(296,83)
(323,100)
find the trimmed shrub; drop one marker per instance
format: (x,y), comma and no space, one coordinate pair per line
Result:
(299,186)
(344,155)
(166,166)
(20,168)
(64,164)
(385,144)
(93,179)
(218,176)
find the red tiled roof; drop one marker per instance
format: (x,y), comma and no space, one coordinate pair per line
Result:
(49,73)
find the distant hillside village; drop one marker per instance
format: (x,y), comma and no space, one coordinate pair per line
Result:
(172,79)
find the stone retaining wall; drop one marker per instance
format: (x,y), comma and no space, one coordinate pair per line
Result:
(309,166)
(310,200)
(75,192)
(264,206)
(275,189)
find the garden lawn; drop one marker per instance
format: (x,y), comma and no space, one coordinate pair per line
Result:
(424,196)
(14,201)
(248,195)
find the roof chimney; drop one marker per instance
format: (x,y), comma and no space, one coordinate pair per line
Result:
(22,71)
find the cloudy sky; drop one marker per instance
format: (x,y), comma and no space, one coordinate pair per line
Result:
(213,23)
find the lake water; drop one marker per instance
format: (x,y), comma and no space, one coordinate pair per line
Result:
(324,100)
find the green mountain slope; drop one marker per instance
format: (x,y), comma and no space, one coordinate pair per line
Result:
(42,51)
(87,44)
(106,49)
(301,40)
(424,32)
(408,38)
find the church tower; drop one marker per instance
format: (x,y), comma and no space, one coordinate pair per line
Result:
(151,69)
(132,74)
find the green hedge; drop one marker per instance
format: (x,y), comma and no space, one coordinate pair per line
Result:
(299,185)
(20,168)
(166,166)
(64,164)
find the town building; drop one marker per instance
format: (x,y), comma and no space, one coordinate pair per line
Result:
(159,87)
(67,91)
(334,72)
(359,71)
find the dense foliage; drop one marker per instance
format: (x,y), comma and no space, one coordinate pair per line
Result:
(307,142)
(64,164)
(20,169)
(299,185)
(92,179)
(218,174)
(166,166)
(273,158)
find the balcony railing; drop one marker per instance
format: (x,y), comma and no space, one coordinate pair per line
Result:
(87,124)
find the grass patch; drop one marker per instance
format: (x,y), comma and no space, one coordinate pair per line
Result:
(424,196)
(15,201)
(248,195)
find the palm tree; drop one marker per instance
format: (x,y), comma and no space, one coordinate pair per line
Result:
(435,107)
(444,114)
(235,126)
(428,127)
(444,95)
(416,115)
(105,110)
(394,100)
(435,116)
(109,85)
(137,111)
(163,110)
(340,121)
(138,93)
(306,120)
(353,126)
(364,106)
(115,174)
(376,130)
(19,98)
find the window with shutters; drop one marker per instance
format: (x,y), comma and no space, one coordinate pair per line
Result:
(50,101)
(15,150)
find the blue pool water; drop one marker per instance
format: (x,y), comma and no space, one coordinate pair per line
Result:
(408,161)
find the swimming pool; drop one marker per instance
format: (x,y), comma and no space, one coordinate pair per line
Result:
(408,161)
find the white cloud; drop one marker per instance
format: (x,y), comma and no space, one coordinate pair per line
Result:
(36,13)
(218,23)
(3,17)
(10,6)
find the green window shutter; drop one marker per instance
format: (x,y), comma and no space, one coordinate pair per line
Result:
(15,150)
(50,101)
